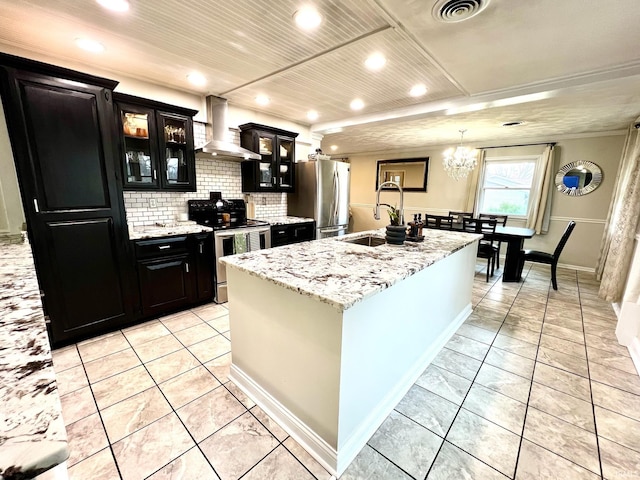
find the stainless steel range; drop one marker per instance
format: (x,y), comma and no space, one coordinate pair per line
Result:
(232,231)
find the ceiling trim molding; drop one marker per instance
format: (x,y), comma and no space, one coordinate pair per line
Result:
(545,139)
(291,66)
(403,32)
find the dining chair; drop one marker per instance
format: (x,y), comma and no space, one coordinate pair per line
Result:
(502,220)
(486,248)
(438,221)
(551,258)
(458,216)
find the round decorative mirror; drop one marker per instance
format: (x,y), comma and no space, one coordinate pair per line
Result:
(578,178)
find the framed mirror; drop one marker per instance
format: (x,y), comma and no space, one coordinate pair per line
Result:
(578,178)
(410,173)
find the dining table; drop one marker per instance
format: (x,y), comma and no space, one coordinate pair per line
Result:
(514,237)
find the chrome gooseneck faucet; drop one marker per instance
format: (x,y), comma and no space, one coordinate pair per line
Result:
(376,211)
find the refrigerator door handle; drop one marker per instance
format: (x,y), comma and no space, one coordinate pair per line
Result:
(337,196)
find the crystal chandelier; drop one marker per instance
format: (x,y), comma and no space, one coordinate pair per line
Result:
(460,161)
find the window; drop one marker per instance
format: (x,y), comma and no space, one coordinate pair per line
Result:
(508,185)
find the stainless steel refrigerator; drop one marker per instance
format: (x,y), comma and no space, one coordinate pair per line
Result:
(322,193)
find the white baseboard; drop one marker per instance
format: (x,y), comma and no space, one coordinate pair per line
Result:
(634,351)
(324,453)
(331,459)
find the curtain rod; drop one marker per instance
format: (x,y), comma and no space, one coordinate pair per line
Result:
(552,144)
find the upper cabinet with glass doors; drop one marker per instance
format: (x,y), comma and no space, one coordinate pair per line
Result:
(274,172)
(156,145)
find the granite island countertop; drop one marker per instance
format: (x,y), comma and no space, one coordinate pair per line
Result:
(342,274)
(32,434)
(286,220)
(166,230)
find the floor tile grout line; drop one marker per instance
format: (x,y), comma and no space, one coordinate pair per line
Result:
(526,410)
(104,427)
(173,411)
(197,444)
(394,463)
(593,406)
(467,393)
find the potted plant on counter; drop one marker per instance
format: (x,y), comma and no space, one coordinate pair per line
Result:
(396,233)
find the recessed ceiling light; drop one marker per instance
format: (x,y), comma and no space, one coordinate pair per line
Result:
(307,18)
(513,124)
(89,45)
(334,147)
(197,79)
(357,104)
(312,115)
(418,90)
(262,100)
(375,61)
(115,5)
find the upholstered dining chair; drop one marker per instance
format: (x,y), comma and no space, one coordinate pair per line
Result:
(502,220)
(486,248)
(438,221)
(551,258)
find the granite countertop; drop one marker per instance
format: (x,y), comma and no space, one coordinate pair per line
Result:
(166,230)
(32,434)
(342,274)
(288,220)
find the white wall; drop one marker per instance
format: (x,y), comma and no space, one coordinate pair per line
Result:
(11,214)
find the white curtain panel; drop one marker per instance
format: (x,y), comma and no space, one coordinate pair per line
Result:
(622,223)
(541,207)
(473,192)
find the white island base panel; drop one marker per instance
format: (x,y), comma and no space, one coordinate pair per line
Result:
(330,378)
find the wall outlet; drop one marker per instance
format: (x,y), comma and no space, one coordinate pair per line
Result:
(153,203)
(263,200)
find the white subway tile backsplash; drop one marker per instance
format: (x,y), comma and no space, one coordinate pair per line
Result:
(211,175)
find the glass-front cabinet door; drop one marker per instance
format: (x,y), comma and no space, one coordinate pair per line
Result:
(286,163)
(274,172)
(139,149)
(266,148)
(156,144)
(175,144)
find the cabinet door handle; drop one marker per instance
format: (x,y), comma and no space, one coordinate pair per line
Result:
(186,267)
(201,247)
(155,176)
(35,205)
(164,247)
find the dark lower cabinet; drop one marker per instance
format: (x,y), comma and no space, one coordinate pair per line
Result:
(292,233)
(165,284)
(174,272)
(204,258)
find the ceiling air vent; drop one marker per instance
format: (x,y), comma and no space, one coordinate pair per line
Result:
(451,11)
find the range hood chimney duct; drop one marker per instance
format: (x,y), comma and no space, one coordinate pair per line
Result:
(217,146)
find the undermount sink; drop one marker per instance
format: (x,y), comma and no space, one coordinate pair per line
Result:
(369,241)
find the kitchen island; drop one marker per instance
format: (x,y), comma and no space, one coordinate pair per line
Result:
(328,336)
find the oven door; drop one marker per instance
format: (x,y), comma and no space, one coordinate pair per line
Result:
(224,245)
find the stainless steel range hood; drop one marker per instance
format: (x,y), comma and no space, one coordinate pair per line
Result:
(217,146)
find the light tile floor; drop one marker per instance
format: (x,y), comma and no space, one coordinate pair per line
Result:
(533,386)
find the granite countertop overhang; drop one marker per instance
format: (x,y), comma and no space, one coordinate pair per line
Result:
(166,230)
(342,274)
(32,434)
(286,220)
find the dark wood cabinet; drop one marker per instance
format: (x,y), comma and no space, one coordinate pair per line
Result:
(275,171)
(204,259)
(156,145)
(292,233)
(174,272)
(60,124)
